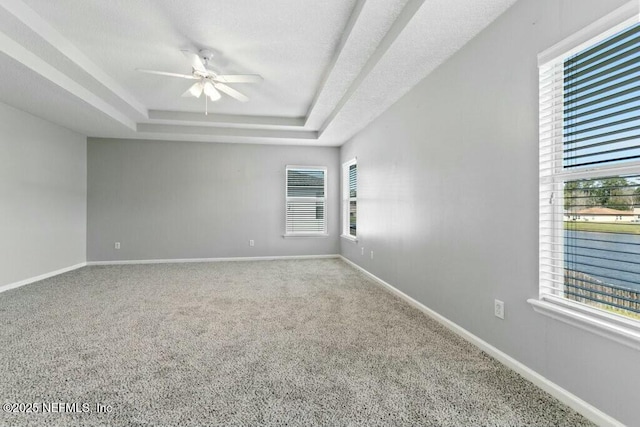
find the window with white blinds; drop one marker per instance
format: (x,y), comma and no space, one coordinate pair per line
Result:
(306,200)
(590,175)
(349,198)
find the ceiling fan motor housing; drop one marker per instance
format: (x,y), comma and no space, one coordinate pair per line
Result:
(206,55)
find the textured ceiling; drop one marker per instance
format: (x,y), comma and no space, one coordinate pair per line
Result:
(438,30)
(288,42)
(330,66)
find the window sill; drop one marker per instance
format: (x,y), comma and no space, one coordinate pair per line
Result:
(613,327)
(312,235)
(349,237)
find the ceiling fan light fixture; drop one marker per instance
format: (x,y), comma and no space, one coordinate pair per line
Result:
(207,79)
(211,91)
(196,90)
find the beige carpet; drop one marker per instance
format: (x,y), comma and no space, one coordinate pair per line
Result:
(308,342)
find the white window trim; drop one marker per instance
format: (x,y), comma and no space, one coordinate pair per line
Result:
(320,234)
(617,328)
(350,238)
(306,235)
(614,327)
(613,23)
(346,201)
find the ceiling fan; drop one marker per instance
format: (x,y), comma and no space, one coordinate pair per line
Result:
(208,80)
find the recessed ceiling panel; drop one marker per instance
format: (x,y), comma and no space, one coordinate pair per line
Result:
(288,42)
(26,90)
(329,66)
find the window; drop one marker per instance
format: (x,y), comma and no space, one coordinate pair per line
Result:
(306,206)
(349,199)
(590,166)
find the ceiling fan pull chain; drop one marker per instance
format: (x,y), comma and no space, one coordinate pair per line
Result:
(206,105)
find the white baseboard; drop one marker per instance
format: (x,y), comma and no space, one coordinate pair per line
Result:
(587,410)
(186,260)
(41,277)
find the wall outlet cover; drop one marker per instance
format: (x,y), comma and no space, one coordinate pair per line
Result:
(498,309)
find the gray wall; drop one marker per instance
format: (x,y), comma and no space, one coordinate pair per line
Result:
(174,200)
(448,201)
(43,196)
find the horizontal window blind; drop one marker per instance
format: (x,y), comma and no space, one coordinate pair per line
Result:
(306,200)
(353,180)
(350,198)
(601,102)
(353,201)
(590,175)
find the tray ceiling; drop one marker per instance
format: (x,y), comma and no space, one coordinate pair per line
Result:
(329,67)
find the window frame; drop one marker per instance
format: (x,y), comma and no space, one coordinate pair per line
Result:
(287,198)
(347,199)
(619,328)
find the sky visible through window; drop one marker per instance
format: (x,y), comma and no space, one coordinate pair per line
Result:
(602,100)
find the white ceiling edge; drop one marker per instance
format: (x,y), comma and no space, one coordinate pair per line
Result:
(226,131)
(396,29)
(224,120)
(178,137)
(28,59)
(374,22)
(413,65)
(41,27)
(192,126)
(353,19)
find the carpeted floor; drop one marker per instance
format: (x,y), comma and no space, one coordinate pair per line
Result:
(302,342)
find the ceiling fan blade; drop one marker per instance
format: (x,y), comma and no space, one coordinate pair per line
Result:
(164,73)
(196,61)
(239,78)
(195,90)
(211,92)
(231,92)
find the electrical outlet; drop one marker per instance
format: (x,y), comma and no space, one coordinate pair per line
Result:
(117,245)
(498,309)
(371,254)
(252,243)
(362,251)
